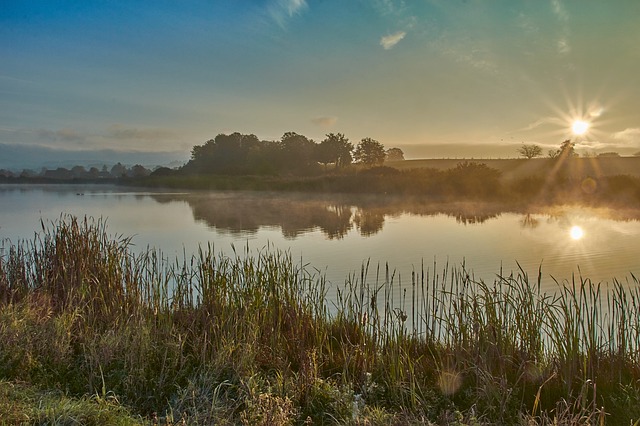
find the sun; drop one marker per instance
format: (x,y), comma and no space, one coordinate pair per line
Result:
(580,127)
(576,233)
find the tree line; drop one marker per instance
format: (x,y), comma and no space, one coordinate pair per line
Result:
(117,171)
(566,149)
(237,154)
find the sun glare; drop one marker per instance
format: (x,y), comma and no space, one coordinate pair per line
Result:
(576,232)
(580,127)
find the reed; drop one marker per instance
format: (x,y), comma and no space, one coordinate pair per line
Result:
(256,338)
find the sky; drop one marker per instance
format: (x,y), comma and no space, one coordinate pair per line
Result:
(437,78)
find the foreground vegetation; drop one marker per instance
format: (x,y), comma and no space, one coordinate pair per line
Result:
(93,334)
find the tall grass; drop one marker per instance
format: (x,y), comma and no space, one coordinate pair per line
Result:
(255,339)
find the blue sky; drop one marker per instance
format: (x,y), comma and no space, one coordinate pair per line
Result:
(442,75)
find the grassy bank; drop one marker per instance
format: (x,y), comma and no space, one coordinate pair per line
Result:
(92,332)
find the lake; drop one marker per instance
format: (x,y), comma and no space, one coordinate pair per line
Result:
(336,234)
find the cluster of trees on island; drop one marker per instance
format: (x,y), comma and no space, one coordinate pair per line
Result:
(294,153)
(240,154)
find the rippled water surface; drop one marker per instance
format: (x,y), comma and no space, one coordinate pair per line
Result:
(336,234)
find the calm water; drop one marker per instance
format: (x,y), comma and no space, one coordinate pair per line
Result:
(336,234)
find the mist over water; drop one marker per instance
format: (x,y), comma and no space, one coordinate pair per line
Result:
(334,235)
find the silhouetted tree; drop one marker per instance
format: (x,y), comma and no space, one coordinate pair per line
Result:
(224,154)
(394,154)
(336,149)
(78,171)
(59,173)
(163,171)
(530,151)
(297,152)
(118,170)
(28,173)
(566,150)
(369,152)
(139,171)
(265,158)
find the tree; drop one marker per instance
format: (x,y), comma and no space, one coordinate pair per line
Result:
(138,171)
(224,154)
(530,151)
(369,152)
(336,149)
(78,171)
(566,150)
(297,151)
(118,170)
(394,154)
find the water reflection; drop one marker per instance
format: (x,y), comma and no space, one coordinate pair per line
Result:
(529,221)
(296,214)
(242,213)
(337,233)
(576,232)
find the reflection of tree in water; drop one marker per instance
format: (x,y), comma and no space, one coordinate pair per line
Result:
(245,212)
(368,221)
(338,222)
(473,218)
(528,221)
(242,214)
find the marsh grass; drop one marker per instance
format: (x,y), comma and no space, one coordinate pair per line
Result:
(254,339)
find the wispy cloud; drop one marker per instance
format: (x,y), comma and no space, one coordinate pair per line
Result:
(559,10)
(389,7)
(468,52)
(117,136)
(66,135)
(631,134)
(388,41)
(283,10)
(14,79)
(118,131)
(324,121)
(541,122)
(527,24)
(563,46)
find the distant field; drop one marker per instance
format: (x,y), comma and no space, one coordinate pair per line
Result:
(515,168)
